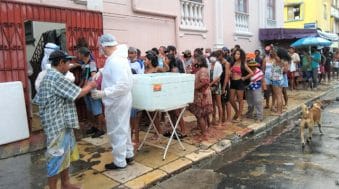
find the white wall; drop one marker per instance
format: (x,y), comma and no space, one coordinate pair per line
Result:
(38,29)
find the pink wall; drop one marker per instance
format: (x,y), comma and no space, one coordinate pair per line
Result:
(151,23)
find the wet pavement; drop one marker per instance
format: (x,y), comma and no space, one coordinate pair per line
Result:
(275,160)
(270,160)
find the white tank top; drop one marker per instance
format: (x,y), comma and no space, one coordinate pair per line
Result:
(268,70)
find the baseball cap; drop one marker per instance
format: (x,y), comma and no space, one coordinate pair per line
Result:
(58,54)
(224,49)
(84,50)
(187,52)
(107,40)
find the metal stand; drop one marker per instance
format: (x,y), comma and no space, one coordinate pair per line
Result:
(174,127)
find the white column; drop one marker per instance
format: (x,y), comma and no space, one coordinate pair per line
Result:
(219,23)
(182,7)
(262,6)
(186,15)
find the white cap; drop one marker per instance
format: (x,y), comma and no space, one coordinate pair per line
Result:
(108,40)
(52,46)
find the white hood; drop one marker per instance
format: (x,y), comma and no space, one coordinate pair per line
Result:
(49,48)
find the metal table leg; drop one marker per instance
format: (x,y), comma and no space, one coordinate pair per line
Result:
(174,132)
(152,125)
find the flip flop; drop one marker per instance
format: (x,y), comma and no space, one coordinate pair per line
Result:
(168,135)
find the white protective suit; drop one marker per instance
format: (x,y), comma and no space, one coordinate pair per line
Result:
(117,85)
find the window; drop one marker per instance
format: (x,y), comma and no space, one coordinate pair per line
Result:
(241,6)
(293,13)
(241,16)
(192,15)
(271,9)
(325,11)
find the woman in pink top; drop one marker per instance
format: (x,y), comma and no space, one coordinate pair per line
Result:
(240,73)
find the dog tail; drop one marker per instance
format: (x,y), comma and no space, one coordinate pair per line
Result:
(304,110)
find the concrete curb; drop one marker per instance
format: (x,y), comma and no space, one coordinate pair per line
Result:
(201,155)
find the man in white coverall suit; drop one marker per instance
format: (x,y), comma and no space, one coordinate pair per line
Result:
(117,98)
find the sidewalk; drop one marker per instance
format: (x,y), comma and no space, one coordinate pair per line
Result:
(149,167)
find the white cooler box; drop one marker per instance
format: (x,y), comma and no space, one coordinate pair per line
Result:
(162,91)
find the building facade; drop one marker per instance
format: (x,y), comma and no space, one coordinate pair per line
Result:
(185,23)
(334,25)
(307,14)
(322,15)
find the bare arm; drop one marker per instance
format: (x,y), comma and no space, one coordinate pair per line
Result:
(166,68)
(227,76)
(263,65)
(250,73)
(86,89)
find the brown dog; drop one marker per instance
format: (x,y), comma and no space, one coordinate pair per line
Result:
(309,118)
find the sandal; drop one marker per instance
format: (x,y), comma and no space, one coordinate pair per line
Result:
(168,135)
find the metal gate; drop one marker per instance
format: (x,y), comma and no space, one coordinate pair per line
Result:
(79,23)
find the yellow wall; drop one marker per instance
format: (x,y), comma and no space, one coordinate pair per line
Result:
(311,11)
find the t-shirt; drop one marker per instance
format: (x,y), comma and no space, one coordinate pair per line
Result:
(217,71)
(256,80)
(329,57)
(137,67)
(87,69)
(179,65)
(316,58)
(306,65)
(295,58)
(160,62)
(258,60)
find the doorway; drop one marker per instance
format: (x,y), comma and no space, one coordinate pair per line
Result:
(37,35)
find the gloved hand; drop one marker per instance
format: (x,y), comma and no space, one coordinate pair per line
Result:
(97,94)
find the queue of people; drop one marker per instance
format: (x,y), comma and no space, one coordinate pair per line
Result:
(224,80)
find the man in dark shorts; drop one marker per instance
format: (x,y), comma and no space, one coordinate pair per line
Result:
(224,80)
(329,57)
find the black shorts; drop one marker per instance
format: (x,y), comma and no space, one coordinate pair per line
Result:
(237,84)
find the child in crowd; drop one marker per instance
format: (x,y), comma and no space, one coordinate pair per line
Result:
(254,92)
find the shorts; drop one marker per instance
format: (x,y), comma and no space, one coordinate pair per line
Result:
(237,85)
(335,69)
(61,150)
(134,113)
(307,75)
(278,83)
(267,79)
(216,89)
(93,106)
(327,67)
